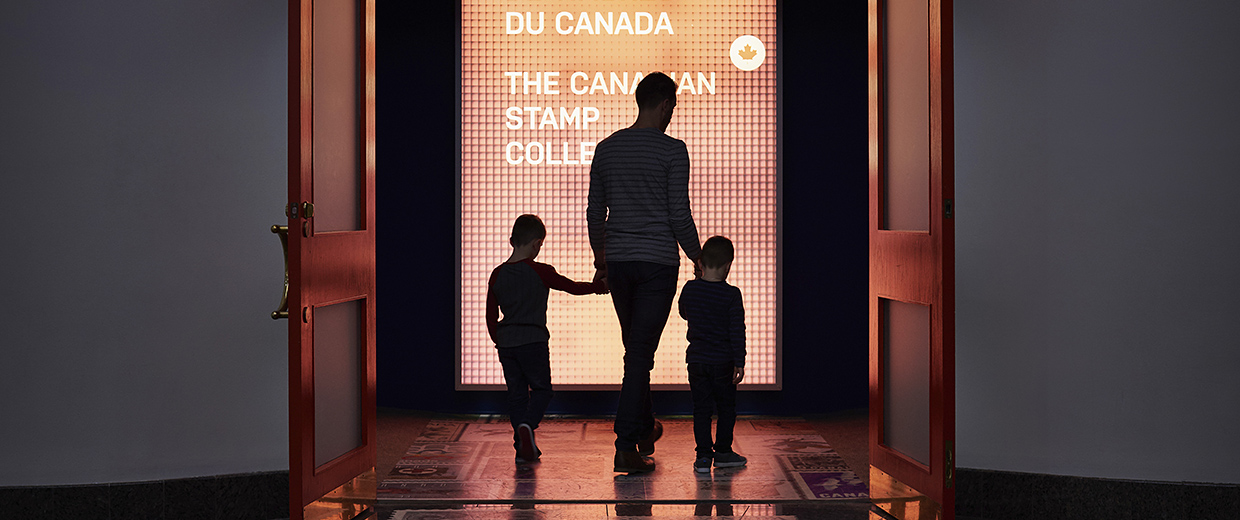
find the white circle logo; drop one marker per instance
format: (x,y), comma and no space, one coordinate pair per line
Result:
(747,52)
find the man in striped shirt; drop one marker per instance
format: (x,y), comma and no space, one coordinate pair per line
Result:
(638,212)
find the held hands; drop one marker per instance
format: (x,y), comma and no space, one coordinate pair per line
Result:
(738,373)
(697,268)
(600,275)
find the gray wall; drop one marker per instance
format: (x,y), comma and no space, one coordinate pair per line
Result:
(142,149)
(1097,172)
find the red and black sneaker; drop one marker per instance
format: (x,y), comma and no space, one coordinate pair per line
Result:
(527,451)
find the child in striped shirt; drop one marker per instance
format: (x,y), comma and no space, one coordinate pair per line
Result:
(716,353)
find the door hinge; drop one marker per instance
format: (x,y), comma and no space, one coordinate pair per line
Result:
(948,208)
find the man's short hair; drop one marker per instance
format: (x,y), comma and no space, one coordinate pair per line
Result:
(526,229)
(653,89)
(716,252)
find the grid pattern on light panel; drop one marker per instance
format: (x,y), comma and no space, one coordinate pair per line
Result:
(522,152)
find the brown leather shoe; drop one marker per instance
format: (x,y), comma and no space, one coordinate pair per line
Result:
(646,446)
(632,462)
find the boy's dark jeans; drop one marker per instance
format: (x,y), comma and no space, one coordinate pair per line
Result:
(527,371)
(642,293)
(712,390)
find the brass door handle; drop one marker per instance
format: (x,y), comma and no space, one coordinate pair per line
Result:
(282,312)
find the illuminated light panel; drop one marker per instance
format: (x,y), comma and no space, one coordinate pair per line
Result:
(729,125)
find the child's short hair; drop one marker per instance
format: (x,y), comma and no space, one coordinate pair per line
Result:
(526,229)
(716,252)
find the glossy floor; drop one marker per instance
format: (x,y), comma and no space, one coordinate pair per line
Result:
(473,460)
(787,511)
(574,478)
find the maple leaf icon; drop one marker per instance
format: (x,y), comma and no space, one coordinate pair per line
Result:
(747,53)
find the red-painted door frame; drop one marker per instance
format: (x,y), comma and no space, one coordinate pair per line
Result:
(327,268)
(916,266)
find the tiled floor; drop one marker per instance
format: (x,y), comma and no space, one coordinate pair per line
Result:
(833,511)
(463,467)
(473,460)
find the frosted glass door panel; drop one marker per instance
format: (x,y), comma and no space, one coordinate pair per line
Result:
(338,379)
(906,378)
(337,117)
(907,146)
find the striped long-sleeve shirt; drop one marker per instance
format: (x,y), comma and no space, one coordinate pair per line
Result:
(638,207)
(716,317)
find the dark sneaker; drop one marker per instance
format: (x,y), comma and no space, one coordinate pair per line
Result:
(702,465)
(646,446)
(527,451)
(633,462)
(729,459)
(537,455)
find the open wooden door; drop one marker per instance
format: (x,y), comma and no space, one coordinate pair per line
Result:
(331,258)
(912,262)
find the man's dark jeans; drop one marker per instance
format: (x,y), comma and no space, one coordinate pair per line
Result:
(712,390)
(642,293)
(527,371)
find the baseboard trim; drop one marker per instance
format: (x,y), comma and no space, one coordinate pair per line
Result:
(1016,496)
(249,496)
